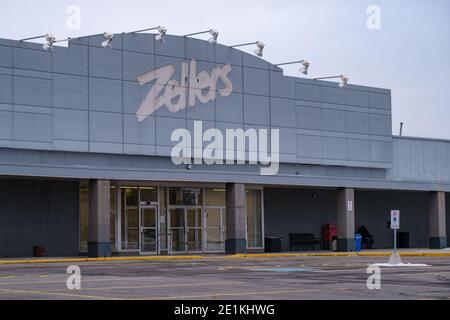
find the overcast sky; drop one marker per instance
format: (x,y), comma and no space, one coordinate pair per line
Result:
(409,54)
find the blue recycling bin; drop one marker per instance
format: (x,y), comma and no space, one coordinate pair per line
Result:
(358,239)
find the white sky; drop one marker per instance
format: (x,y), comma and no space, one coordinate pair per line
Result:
(410,54)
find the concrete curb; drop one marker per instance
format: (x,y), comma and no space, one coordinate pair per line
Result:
(237,256)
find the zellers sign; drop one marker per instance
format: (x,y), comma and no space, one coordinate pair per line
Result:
(192,86)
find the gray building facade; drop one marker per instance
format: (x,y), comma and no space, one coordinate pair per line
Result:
(86,143)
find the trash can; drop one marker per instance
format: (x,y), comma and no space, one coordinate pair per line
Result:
(358,239)
(272,244)
(403,240)
(39,251)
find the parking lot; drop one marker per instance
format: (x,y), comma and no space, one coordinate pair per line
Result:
(230,278)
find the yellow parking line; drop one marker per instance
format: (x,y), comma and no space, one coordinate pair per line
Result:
(159,286)
(63,280)
(230,294)
(10,291)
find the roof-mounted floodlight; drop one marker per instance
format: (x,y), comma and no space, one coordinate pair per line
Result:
(160,37)
(344,80)
(214,34)
(259,47)
(108,36)
(305,65)
(48,46)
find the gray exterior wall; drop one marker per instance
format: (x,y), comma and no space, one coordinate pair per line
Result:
(38,213)
(447,218)
(84,99)
(291,210)
(76,105)
(420,160)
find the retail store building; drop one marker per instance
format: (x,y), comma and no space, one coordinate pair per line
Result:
(86,167)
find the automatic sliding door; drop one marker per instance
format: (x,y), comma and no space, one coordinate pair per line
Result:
(149,230)
(177,229)
(194,229)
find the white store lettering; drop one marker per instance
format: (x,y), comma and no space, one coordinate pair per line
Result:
(202,86)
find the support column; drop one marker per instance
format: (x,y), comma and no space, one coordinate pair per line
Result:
(345,220)
(436,216)
(236,216)
(99,240)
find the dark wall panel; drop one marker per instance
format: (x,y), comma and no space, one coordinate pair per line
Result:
(297,211)
(373,210)
(38,213)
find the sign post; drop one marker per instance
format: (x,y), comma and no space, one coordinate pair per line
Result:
(395,225)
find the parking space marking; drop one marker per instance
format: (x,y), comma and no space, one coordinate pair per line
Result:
(212,295)
(63,280)
(48,293)
(161,286)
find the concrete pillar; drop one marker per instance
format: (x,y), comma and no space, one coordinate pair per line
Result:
(438,232)
(99,240)
(345,220)
(236,218)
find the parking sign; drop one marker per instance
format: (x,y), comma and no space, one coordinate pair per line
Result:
(395,219)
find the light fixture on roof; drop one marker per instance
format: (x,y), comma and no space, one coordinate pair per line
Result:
(344,80)
(214,34)
(108,36)
(304,68)
(160,37)
(48,46)
(259,47)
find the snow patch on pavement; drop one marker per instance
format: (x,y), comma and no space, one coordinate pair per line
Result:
(401,265)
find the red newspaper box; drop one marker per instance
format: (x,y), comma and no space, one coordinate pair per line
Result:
(328,232)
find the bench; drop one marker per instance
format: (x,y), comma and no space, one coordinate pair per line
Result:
(303,241)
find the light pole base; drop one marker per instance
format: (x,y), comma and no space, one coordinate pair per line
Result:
(395,259)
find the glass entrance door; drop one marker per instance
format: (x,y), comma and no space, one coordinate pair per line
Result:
(194,229)
(177,229)
(186,229)
(215,229)
(149,230)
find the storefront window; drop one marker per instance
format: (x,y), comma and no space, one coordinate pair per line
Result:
(163,220)
(130,218)
(215,197)
(185,196)
(112,218)
(149,196)
(254,219)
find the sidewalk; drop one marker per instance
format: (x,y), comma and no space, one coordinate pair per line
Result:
(365,253)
